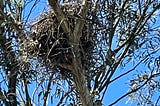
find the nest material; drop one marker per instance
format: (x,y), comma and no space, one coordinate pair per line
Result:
(53,43)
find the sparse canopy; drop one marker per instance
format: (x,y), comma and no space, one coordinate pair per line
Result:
(74,50)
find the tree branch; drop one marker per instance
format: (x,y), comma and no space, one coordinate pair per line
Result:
(134,90)
(48,90)
(134,66)
(59,15)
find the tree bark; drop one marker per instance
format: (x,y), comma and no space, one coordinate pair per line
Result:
(9,61)
(12,87)
(74,40)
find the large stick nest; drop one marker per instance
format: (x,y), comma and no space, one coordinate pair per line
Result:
(53,44)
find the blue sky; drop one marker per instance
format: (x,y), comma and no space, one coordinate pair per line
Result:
(115,90)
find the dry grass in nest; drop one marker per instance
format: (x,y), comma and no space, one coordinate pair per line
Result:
(53,44)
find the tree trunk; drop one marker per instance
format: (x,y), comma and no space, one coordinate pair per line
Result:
(74,40)
(79,77)
(81,85)
(10,62)
(12,87)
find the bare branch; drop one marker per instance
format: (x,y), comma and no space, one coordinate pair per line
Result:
(60,16)
(134,90)
(48,90)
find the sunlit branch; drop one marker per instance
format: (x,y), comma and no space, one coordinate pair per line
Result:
(60,16)
(106,80)
(80,23)
(143,59)
(147,18)
(134,90)
(20,95)
(48,90)
(80,43)
(100,76)
(113,69)
(127,72)
(36,89)
(96,82)
(95,4)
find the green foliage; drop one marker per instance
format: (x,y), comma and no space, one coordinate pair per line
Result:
(74,51)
